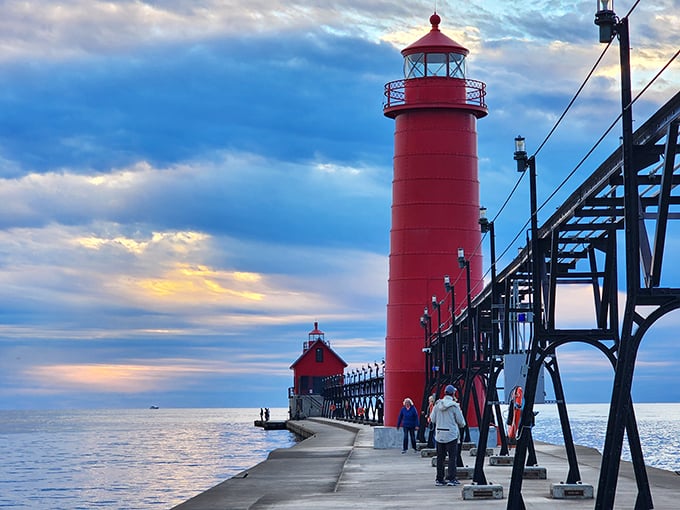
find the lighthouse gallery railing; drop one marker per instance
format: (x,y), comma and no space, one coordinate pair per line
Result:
(475,93)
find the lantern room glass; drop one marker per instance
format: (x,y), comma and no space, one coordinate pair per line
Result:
(436,64)
(414,65)
(422,65)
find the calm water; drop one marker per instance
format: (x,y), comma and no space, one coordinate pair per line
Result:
(126,459)
(658,425)
(155,459)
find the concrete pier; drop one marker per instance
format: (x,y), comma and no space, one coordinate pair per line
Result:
(336,467)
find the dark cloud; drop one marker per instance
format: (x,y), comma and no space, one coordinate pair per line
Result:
(293,97)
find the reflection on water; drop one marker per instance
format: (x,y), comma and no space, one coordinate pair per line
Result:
(132,459)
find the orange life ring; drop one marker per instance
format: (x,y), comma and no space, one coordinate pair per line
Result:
(515,412)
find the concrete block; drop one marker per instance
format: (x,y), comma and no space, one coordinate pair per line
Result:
(462,473)
(571,491)
(483,491)
(488,452)
(501,460)
(535,473)
(387,437)
(428,452)
(466,446)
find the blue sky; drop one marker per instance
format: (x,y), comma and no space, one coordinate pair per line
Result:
(186,186)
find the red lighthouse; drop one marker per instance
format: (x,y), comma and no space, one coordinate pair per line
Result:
(435,199)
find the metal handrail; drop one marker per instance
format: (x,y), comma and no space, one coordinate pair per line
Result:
(475,93)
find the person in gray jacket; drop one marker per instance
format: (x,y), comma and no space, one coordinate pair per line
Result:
(448,420)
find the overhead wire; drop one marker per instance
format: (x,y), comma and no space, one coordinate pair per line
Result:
(579,164)
(541,145)
(556,125)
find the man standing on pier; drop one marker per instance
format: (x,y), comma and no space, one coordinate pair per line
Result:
(447,419)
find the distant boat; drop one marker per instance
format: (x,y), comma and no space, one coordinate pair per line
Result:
(154,407)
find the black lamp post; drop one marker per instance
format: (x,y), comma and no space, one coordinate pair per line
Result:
(454,355)
(450,290)
(487,226)
(621,405)
(425,322)
(427,349)
(436,305)
(464,263)
(529,163)
(441,352)
(525,441)
(610,27)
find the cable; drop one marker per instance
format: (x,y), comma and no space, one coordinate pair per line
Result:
(580,163)
(589,153)
(611,126)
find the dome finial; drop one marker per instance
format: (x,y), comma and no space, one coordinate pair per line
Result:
(435,20)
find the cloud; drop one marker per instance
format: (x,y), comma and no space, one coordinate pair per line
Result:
(187,186)
(163,375)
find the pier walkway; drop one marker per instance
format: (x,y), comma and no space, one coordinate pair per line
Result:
(338,468)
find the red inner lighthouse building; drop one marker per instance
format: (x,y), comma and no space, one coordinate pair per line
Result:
(317,362)
(435,202)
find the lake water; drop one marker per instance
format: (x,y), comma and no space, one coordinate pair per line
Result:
(156,459)
(126,459)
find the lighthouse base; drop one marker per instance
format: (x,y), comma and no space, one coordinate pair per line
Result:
(387,437)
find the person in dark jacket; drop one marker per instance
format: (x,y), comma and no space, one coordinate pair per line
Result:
(408,417)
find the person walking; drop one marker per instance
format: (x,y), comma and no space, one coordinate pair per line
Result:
(410,419)
(448,419)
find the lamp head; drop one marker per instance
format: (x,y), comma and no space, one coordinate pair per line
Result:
(447,283)
(605,18)
(605,5)
(461,258)
(520,154)
(483,220)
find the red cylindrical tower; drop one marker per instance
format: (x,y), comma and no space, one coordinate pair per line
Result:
(435,199)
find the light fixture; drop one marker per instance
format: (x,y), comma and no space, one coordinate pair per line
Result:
(461,258)
(520,153)
(605,5)
(605,18)
(483,220)
(447,283)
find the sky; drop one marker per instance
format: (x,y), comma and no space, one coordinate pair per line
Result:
(186,186)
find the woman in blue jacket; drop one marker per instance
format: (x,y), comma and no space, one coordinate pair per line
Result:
(408,417)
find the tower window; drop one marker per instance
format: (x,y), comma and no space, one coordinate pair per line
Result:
(319,355)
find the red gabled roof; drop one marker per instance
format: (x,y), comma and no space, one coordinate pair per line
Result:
(311,348)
